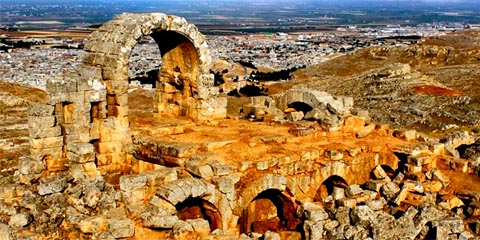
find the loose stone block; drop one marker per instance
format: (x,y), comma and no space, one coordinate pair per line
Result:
(362,216)
(221,169)
(20,220)
(379,173)
(131,182)
(366,131)
(338,193)
(199,169)
(181,227)
(314,212)
(52,185)
(347,202)
(390,190)
(412,169)
(451,225)
(158,177)
(121,228)
(342,214)
(160,221)
(93,224)
(376,205)
(353,190)
(200,226)
(313,230)
(413,186)
(402,195)
(375,185)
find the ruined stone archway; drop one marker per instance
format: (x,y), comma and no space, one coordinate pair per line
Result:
(194,208)
(328,185)
(184,85)
(270,210)
(93,107)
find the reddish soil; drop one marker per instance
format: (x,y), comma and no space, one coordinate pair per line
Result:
(435,90)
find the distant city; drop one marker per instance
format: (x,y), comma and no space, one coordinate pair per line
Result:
(240,16)
(276,35)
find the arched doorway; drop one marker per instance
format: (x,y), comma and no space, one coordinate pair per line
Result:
(327,187)
(183,84)
(270,210)
(193,208)
(301,107)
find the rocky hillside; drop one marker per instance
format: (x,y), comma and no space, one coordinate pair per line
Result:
(430,85)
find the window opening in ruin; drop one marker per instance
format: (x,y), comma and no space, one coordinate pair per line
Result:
(144,63)
(327,187)
(194,208)
(94,111)
(269,211)
(301,106)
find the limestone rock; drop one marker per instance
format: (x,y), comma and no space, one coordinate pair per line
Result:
(199,225)
(362,216)
(271,236)
(181,189)
(375,185)
(181,227)
(121,228)
(157,221)
(20,220)
(390,190)
(313,230)
(366,131)
(338,193)
(131,182)
(159,176)
(53,184)
(199,169)
(353,190)
(379,173)
(342,214)
(452,225)
(314,212)
(93,224)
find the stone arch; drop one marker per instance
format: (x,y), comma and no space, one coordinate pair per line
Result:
(184,83)
(193,208)
(253,188)
(181,189)
(98,98)
(312,98)
(270,210)
(193,198)
(300,106)
(328,185)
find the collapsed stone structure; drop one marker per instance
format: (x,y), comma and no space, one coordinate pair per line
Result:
(89,176)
